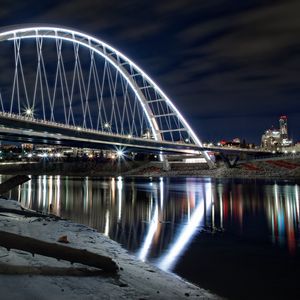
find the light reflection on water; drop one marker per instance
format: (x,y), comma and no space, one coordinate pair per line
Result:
(159,220)
(141,208)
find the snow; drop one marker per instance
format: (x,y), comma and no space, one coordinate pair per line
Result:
(23,276)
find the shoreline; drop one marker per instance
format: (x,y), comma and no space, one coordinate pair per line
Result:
(45,277)
(278,168)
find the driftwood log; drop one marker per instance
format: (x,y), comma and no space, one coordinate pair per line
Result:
(28,213)
(12,183)
(14,241)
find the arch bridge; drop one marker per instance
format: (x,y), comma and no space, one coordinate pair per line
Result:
(64,87)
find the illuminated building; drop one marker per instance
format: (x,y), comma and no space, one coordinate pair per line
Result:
(283,127)
(271,140)
(27,147)
(275,139)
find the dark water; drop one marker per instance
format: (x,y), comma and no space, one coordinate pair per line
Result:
(239,239)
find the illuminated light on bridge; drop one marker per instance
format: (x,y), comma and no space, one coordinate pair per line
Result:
(120,153)
(78,80)
(29,112)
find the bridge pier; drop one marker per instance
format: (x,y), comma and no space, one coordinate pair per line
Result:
(166,164)
(230,160)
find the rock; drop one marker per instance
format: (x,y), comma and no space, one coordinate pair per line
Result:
(63,239)
(123,284)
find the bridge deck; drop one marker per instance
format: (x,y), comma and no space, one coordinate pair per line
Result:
(24,129)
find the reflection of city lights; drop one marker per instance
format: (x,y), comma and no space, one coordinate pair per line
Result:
(297,200)
(57,194)
(29,193)
(86,194)
(44,190)
(106,230)
(161,191)
(113,187)
(119,187)
(170,230)
(39,190)
(50,189)
(283,216)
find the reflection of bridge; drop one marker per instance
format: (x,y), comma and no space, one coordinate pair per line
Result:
(160,218)
(68,88)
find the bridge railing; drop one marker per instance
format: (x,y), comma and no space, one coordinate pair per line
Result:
(81,129)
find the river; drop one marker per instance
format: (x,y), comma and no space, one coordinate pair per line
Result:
(236,238)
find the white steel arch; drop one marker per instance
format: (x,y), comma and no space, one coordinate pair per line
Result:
(146,90)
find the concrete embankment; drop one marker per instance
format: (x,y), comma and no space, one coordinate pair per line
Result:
(76,168)
(269,168)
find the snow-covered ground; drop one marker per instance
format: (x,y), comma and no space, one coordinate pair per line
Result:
(23,276)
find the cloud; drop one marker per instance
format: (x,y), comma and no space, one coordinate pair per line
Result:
(213,58)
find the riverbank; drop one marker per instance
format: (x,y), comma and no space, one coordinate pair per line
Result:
(24,276)
(278,168)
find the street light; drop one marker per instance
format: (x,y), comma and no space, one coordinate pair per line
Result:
(106,126)
(120,153)
(28,112)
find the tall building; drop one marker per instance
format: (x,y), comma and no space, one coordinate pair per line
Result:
(283,127)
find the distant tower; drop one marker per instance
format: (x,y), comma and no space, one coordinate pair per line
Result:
(283,127)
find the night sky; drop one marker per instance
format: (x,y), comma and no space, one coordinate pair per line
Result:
(231,67)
